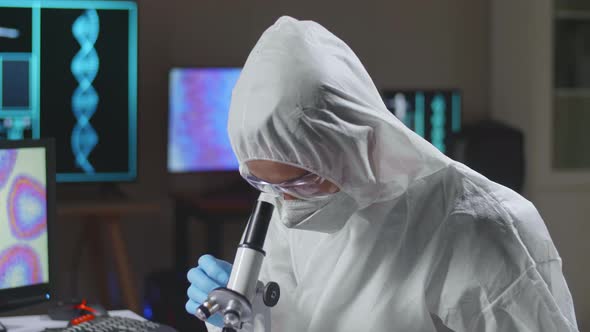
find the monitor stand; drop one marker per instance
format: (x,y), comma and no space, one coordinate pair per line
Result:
(111,190)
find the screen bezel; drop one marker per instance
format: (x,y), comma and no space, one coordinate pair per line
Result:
(13,298)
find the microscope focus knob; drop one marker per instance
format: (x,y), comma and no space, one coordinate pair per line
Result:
(272,293)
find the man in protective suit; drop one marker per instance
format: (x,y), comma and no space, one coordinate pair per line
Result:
(375,229)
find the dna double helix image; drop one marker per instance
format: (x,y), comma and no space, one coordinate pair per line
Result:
(84,67)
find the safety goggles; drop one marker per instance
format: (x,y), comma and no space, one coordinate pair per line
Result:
(306,187)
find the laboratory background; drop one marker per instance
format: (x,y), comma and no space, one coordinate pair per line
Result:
(135,97)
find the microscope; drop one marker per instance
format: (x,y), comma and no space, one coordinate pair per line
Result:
(234,302)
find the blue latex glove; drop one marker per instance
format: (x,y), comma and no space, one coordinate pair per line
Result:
(208,275)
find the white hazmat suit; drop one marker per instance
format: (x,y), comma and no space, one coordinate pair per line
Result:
(415,241)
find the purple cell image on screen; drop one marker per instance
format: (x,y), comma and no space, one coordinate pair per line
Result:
(19,266)
(199,106)
(7,161)
(26,208)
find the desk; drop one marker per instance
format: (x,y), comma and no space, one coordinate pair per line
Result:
(109,213)
(36,323)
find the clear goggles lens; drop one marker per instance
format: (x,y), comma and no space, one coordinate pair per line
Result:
(307,186)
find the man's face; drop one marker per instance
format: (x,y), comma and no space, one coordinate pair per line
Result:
(274,172)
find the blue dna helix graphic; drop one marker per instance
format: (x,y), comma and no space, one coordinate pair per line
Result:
(84,68)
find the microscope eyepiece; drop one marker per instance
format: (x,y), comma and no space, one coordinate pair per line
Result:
(258,226)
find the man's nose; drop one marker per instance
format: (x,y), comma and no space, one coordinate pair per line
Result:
(288,197)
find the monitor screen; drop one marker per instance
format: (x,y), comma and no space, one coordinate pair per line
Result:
(26,188)
(433,114)
(68,71)
(198,114)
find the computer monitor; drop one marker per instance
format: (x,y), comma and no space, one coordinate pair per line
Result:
(433,114)
(68,70)
(198,113)
(27,209)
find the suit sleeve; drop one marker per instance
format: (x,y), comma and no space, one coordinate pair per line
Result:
(531,304)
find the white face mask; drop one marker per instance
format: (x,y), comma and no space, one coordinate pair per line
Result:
(326,215)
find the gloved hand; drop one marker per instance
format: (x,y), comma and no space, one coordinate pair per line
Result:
(211,273)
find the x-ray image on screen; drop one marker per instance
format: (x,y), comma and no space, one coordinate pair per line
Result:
(68,71)
(198,114)
(433,114)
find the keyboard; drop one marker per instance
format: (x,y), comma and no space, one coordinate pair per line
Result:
(117,324)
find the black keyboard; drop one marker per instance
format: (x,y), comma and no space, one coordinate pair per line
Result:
(118,324)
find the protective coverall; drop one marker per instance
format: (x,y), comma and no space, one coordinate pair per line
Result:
(418,242)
